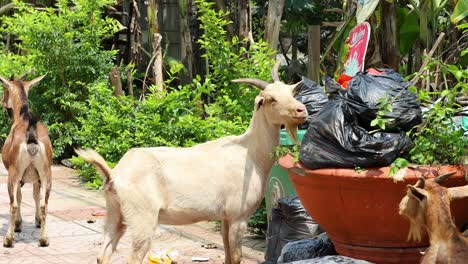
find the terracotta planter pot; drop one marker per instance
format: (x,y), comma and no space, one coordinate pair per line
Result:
(359,211)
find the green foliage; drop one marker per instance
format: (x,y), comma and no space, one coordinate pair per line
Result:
(359,169)
(229,59)
(258,221)
(282,150)
(398,164)
(385,107)
(65,44)
(409,29)
(460,11)
(438,140)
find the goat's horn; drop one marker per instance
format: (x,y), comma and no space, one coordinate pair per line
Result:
(255,82)
(274,72)
(442,178)
(421,182)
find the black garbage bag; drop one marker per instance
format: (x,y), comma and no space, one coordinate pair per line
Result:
(365,90)
(311,94)
(318,246)
(289,222)
(332,88)
(334,139)
(332,260)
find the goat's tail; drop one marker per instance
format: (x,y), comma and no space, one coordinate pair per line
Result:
(97,160)
(31,135)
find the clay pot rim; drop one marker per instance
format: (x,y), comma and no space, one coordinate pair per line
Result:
(287,162)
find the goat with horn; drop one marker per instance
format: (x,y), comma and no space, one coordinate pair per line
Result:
(222,179)
(427,206)
(27,155)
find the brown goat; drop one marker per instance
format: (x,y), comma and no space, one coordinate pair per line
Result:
(27,155)
(427,206)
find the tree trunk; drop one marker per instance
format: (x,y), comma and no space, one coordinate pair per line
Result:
(129,81)
(116,81)
(273,23)
(135,35)
(155,38)
(389,35)
(313,67)
(158,62)
(186,41)
(245,20)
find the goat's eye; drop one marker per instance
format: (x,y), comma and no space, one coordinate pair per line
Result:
(271,100)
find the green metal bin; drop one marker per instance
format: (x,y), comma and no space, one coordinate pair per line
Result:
(278,184)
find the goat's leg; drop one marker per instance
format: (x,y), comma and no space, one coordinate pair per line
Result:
(37,200)
(225,233)
(113,231)
(13,184)
(236,232)
(143,225)
(19,219)
(45,187)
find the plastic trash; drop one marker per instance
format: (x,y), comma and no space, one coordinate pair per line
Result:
(332,260)
(312,95)
(168,256)
(366,89)
(200,259)
(335,139)
(289,222)
(99,213)
(318,246)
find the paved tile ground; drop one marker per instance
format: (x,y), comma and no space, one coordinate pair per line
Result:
(75,235)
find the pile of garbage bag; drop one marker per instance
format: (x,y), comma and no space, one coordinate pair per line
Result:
(289,222)
(339,134)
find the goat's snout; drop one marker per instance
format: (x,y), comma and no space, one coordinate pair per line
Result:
(301,109)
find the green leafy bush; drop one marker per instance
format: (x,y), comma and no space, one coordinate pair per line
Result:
(65,44)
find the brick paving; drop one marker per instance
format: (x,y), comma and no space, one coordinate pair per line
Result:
(75,235)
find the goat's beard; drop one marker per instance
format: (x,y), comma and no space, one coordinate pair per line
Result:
(291,129)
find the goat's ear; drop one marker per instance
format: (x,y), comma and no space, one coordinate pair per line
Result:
(259,100)
(294,87)
(5,82)
(418,193)
(35,81)
(456,193)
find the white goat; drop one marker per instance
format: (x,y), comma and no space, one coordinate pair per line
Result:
(222,179)
(427,206)
(27,155)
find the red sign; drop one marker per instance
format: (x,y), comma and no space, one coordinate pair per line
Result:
(357,41)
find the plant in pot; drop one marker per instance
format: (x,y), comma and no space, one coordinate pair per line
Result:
(359,208)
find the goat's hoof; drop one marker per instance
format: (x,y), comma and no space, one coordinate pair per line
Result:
(43,242)
(38,225)
(8,242)
(18,226)
(38,222)
(99,260)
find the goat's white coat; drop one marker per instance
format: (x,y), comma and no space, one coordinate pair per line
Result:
(222,179)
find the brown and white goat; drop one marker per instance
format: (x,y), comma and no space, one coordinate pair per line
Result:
(27,155)
(427,206)
(222,179)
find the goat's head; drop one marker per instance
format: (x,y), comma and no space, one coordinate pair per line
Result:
(427,193)
(277,101)
(16,89)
